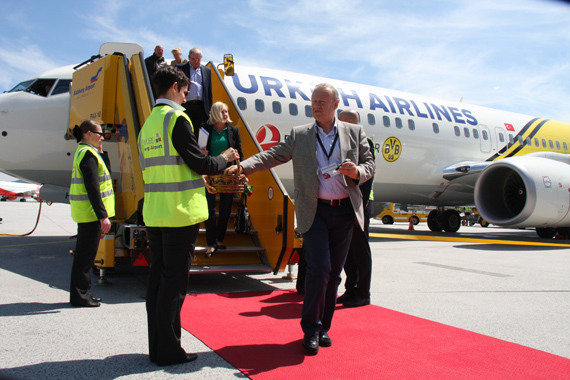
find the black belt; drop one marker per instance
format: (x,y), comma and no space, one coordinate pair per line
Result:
(335,202)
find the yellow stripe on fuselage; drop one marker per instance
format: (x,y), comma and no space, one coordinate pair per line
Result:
(543,135)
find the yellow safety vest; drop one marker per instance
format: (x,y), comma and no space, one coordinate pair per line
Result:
(174,195)
(81,208)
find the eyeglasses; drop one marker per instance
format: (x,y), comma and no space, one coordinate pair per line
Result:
(99,133)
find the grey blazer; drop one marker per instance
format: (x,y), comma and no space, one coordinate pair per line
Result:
(301,147)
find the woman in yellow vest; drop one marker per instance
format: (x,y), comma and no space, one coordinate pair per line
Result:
(92,204)
(174,206)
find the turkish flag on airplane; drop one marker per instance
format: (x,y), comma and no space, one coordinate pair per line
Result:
(509,127)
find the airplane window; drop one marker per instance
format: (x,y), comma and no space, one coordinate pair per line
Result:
(558,145)
(242,103)
(293,110)
(466,132)
(475,133)
(259,105)
(564,145)
(520,140)
(485,135)
(40,87)
(276,107)
(457,131)
(411,125)
(550,144)
(528,141)
(536,143)
(22,85)
(543,143)
(308,111)
(61,87)
(435,128)
(398,123)
(501,137)
(386,120)
(511,139)
(371,119)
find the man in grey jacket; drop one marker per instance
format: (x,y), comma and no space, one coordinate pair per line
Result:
(330,160)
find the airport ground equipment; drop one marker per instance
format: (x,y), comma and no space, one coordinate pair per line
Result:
(113,89)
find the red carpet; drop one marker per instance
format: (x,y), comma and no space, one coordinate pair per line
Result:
(259,333)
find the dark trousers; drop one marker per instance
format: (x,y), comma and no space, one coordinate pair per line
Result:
(326,246)
(358,266)
(88,237)
(197,114)
(171,253)
(217,232)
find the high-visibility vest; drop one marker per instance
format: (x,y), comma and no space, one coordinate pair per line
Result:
(81,208)
(174,195)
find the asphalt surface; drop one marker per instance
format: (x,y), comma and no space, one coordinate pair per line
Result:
(518,293)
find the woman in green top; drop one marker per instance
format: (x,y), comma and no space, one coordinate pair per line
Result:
(222,136)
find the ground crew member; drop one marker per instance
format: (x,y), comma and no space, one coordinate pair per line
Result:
(174,205)
(92,204)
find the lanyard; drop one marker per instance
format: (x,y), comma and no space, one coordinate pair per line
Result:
(329,154)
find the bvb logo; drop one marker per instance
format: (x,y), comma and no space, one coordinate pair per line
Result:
(391,149)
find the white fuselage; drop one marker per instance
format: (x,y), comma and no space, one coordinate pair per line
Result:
(416,137)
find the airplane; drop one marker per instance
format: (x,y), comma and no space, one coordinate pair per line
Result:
(513,167)
(11,190)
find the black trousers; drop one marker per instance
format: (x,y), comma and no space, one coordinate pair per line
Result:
(171,254)
(216,232)
(326,246)
(88,237)
(197,114)
(358,266)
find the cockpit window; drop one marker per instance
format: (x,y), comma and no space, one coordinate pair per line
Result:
(22,85)
(61,87)
(40,87)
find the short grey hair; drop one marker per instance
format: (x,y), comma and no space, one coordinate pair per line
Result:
(327,86)
(195,50)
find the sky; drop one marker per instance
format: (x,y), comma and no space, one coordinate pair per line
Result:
(512,55)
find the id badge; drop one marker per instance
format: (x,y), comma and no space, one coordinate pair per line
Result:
(330,171)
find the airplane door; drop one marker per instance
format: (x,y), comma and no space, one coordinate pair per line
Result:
(502,141)
(485,138)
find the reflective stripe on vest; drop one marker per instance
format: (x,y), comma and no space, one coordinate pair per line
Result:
(81,208)
(174,193)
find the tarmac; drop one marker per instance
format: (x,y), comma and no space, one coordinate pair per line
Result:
(503,283)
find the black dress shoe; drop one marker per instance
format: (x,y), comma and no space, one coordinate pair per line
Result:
(189,358)
(90,303)
(311,343)
(357,301)
(324,339)
(348,295)
(210,251)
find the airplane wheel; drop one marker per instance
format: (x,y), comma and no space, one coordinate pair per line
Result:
(3,199)
(484,223)
(415,220)
(22,199)
(387,219)
(546,233)
(432,222)
(451,221)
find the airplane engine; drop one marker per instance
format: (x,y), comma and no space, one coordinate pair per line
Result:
(527,191)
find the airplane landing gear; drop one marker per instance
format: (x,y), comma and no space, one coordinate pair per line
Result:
(448,220)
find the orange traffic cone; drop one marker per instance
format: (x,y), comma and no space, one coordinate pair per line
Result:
(411,227)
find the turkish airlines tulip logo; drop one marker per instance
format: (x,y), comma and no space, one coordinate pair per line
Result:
(268,136)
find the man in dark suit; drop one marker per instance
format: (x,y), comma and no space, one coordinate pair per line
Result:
(358,266)
(199,99)
(330,159)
